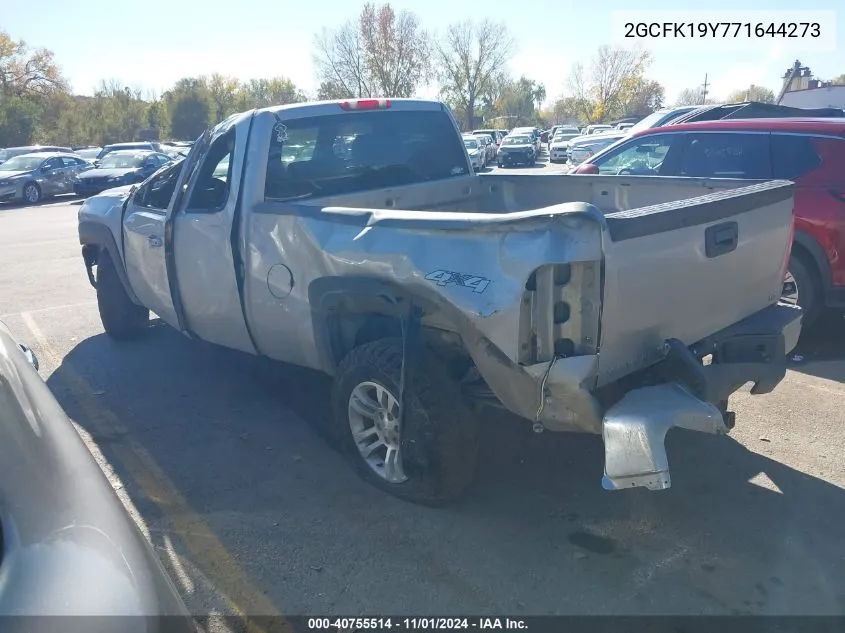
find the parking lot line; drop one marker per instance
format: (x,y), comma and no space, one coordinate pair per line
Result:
(65,306)
(206,550)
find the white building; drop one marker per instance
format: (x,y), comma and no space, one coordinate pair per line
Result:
(823,97)
(800,90)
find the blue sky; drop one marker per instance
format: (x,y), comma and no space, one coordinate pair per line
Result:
(151,44)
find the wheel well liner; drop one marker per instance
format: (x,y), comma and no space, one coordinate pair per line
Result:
(350,311)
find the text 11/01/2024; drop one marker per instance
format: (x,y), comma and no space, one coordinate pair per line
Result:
(416,624)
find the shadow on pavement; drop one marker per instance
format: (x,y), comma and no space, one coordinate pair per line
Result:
(821,350)
(219,424)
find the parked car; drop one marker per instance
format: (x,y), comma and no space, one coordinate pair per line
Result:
(809,152)
(31,177)
(661,117)
(370,294)
(496,135)
(10,152)
(755,110)
(88,153)
(476,151)
(559,146)
(583,147)
(597,128)
(489,147)
(115,147)
(531,132)
(118,168)
(624,126)
(517,149)
(69,546)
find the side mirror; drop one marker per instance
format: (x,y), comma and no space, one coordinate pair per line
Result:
(587,168)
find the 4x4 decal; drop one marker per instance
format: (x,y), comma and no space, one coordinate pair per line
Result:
(448,277)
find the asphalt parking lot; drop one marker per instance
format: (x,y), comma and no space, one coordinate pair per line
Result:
(214,454)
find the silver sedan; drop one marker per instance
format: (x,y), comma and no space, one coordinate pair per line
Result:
(69,547)
(31,177)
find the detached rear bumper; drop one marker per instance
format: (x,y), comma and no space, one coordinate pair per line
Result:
(694,396)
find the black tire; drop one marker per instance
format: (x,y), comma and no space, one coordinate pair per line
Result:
(809,290)
(438,441)
(122,319)
(35,196)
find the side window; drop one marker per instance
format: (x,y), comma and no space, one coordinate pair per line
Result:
(793,156)
(726,155)
(70,161)
(157,192)
(54,163)
(211,182)
(641,157)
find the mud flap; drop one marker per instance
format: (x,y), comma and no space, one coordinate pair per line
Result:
(634,430)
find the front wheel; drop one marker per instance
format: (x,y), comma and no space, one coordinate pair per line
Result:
(31,193)
(429,455)
(122,319)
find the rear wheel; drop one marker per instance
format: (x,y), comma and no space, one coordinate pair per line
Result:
(802,287)
(430,458)
(122,319)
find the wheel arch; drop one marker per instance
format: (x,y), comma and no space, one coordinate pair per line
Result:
(97,239)
(349,311)
(807,247)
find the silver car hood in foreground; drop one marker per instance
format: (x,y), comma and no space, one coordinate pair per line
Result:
(69,546)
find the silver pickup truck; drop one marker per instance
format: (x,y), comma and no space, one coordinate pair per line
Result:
(354,238)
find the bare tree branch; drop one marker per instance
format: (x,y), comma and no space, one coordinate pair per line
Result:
(469,56)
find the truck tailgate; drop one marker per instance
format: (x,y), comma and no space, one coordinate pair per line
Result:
(689,268)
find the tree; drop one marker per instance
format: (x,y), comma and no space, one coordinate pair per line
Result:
(839,81)
(17,120)
(518,101)
(640,96)
(752,93)
(191,108)
(692,96)
(223,91)
(615,78)
(262,93)
(382,54)
(570,110)
(24,72)
(331,90)
(396,50)
(468,58)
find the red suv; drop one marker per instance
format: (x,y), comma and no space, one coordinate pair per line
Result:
(810,152)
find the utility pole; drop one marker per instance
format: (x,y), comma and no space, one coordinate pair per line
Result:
(704,90)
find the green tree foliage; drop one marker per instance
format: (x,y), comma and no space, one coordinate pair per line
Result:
(752,93)
(36,105)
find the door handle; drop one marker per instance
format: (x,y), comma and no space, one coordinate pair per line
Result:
(154,241)
(721,239)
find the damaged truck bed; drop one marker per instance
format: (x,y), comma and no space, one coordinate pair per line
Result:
(354,238)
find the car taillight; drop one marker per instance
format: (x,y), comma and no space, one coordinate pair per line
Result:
(365,104)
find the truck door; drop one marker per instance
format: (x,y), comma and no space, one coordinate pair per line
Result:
(202,261)
(143,242)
